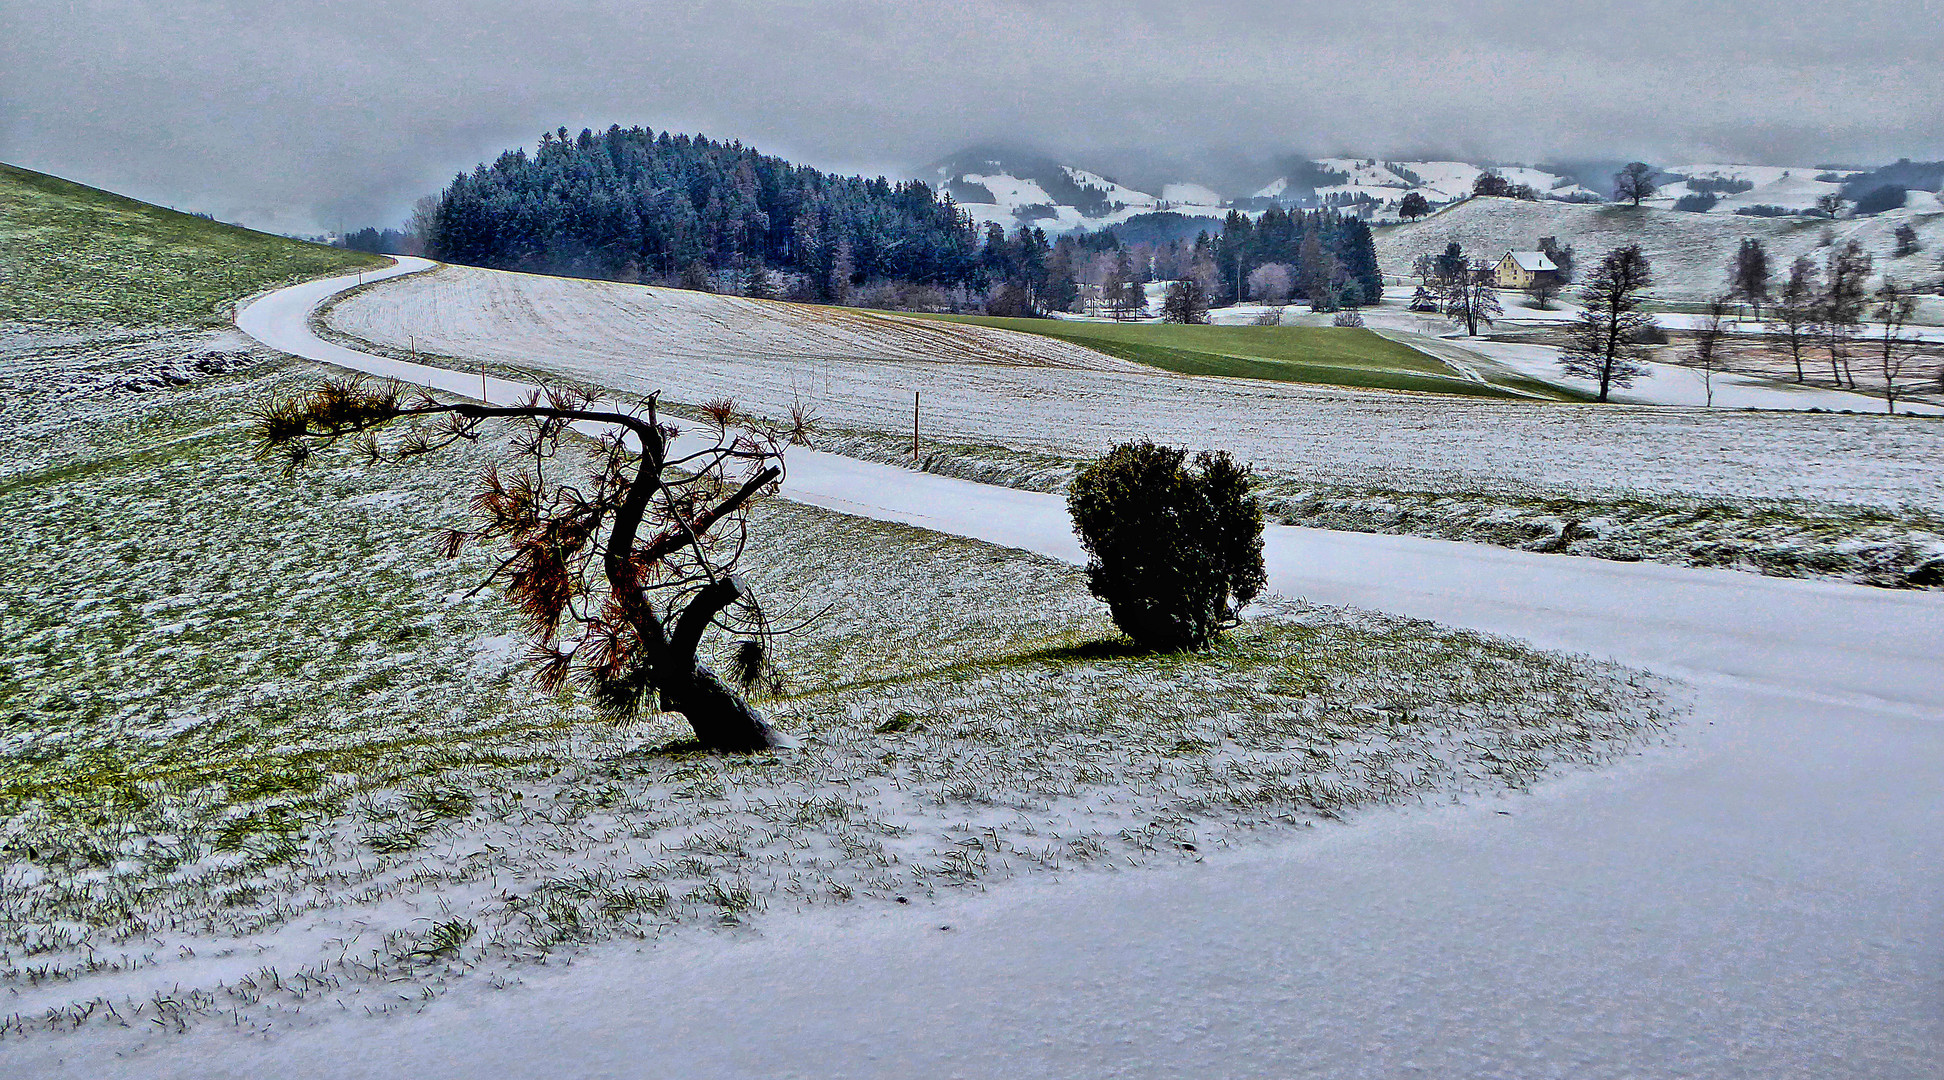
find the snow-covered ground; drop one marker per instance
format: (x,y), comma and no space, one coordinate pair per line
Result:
(694,347)
(1678,385)
(1761,900)
(1690,253)
(1792,188)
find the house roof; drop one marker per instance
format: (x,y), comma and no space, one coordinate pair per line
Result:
(1532,262)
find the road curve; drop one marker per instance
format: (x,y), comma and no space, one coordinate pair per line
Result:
(1761,898)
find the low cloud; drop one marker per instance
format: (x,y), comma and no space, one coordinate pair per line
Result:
(340,113)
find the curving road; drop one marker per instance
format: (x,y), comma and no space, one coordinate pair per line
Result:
(1760,899)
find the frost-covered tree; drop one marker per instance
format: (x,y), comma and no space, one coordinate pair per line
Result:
(1605,339)
(1793,315)
(622,200)
(1634,183)
(1748,278)
(618,564)
(1269,283)
(758,282)
(1906,240)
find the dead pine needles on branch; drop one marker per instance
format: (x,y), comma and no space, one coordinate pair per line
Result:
(619,558)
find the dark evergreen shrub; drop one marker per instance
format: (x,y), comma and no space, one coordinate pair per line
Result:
(1887,197)
(1174,547)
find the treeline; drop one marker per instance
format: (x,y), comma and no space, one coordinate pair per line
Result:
(639,206)
(1330,259)
(633,205)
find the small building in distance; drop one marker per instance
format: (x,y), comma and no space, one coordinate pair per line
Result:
(1519,269)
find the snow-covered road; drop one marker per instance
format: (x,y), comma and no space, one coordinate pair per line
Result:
(1761,898)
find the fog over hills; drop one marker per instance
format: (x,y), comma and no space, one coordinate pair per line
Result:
(1011,186)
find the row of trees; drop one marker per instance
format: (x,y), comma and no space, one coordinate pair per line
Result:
(1326,258)
(1824,306)
(1818,306)
(636,205)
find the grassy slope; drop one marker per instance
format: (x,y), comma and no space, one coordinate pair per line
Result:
(1334,356)
(232,700)
(78,255)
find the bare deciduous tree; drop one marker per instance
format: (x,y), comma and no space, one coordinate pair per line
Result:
(1467,298)
(1634,183)
(1793,317)
(422,225)
(1605,342)
(1845,292)
(1706,352)
(1896,354)
(618,570)
(1749,277)
(1544,287)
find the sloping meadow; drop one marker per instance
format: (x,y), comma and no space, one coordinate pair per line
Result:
(260,748)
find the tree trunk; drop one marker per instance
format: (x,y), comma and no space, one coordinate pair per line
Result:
(723,720)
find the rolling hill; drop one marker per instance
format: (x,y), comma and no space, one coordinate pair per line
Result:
(80,255)
(1690,252)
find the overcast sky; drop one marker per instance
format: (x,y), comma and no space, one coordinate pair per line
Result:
(306,115)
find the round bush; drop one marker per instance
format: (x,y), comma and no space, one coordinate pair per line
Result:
(1174,548)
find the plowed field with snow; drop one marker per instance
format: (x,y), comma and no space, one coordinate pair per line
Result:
(859,370)
(613,323)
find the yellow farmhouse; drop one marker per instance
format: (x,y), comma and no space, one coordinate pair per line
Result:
(1519,269)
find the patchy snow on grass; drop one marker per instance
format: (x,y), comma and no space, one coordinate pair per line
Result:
(262,754)
(1899,548)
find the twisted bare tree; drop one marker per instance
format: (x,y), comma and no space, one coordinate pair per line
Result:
(619,567)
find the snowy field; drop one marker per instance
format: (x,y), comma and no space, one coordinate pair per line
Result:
(636,340)
(1753,901)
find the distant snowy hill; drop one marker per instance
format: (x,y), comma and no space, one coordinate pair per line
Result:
(1012,187)
(1769,185)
